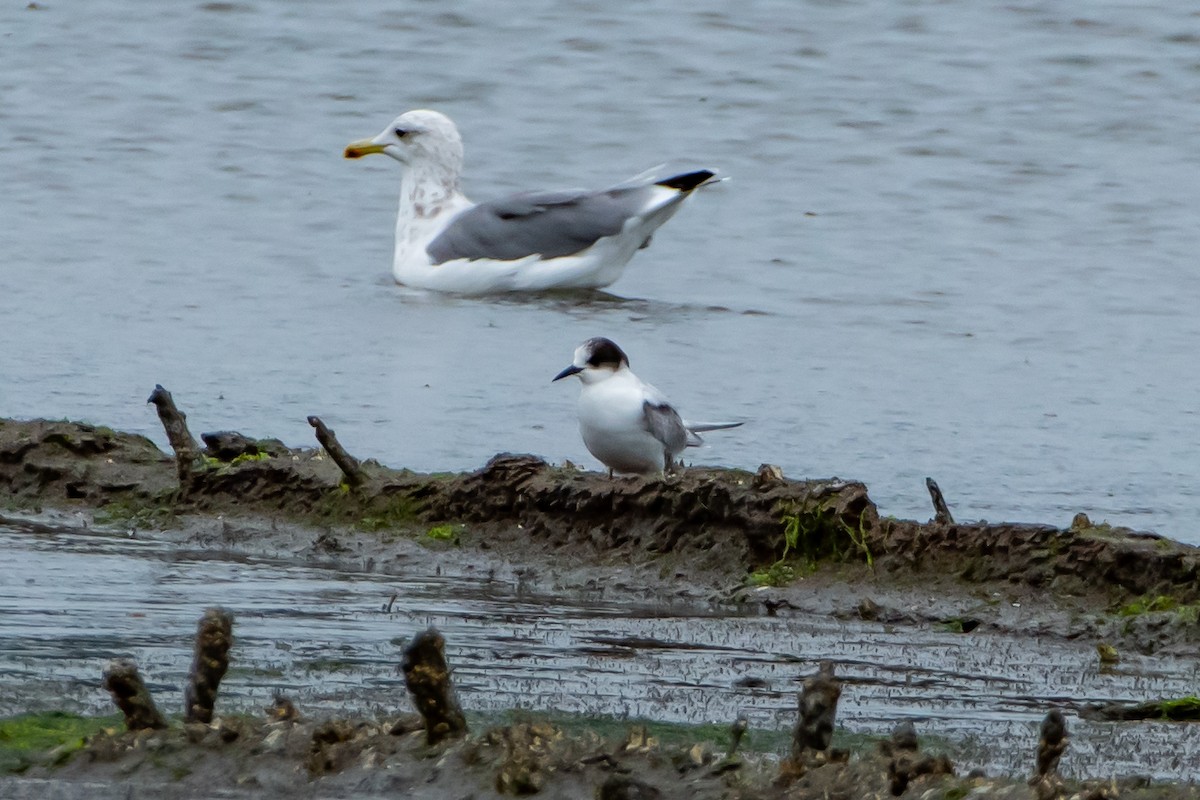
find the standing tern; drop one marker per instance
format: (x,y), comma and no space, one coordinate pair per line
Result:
(628,424)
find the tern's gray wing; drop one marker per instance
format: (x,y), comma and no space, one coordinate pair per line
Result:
(664,424)
(546,224)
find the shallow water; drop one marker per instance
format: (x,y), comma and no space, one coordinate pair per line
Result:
(327,638)
(995,287)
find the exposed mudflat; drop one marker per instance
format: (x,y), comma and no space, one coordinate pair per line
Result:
(240,758)
(639,597)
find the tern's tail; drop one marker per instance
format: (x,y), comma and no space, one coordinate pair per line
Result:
(701,427)
(694,430)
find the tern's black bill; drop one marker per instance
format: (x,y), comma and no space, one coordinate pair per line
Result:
(568,372)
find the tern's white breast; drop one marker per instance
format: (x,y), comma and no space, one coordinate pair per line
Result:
(612,422)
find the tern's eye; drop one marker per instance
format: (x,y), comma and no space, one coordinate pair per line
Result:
(401,133)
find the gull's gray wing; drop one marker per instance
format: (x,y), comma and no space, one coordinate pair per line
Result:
(547,224)
(553,224)
(664,424)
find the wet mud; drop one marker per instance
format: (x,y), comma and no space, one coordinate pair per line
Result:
(758,539)
(241,757)
(432,754)
(722,524)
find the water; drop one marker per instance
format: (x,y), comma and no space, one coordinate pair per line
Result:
(331,640)
(995,287)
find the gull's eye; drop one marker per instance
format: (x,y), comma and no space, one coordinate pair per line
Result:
(401,133)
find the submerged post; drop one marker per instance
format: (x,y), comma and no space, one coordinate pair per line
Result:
(428,679)
(904,749)
(347,463)
(818,707)
(736,732)
(123,681)
(814,730)
(1051,745)
(174,422)
(214,637)
(906,763)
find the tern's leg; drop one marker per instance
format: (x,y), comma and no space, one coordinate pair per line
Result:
(673,468)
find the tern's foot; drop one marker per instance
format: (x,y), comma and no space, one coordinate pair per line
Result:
(673,473)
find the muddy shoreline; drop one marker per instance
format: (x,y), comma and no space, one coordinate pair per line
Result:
(759,539)
(711,532)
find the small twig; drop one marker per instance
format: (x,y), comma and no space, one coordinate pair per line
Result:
(174,421)
(347,463)
(941,510)
(214,637)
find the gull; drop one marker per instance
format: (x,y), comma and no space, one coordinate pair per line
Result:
(532,241)
(628,424)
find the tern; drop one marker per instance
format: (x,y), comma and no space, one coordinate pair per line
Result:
(626,423)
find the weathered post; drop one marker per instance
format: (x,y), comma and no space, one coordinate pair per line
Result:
(428,679)
(941,511)
(347,463)
(906,762)
(214,637)
(1051,745)
(818,707)
(188,460)
(129,692)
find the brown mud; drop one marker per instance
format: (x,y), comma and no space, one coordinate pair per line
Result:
(243,758)
(708,528)
(708,532)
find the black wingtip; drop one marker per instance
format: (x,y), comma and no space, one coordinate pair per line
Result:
(688,180)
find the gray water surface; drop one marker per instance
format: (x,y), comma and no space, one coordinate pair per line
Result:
(331,640)
(960,239)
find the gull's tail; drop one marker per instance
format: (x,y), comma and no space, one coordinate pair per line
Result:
(671,176)
(689,180)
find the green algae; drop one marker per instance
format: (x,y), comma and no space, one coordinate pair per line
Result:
(345,505)
(238,460)
(156,513)
(444,533)
(395,512)
(813,533)
(778,574)
(1148,605)
(1183,708)
(246,457)
(1187,613)
(46,738)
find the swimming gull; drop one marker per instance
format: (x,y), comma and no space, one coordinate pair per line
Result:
(524,242)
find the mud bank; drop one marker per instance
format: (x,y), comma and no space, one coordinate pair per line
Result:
(723,524)
(433,754)
(754,538)
(244,758)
